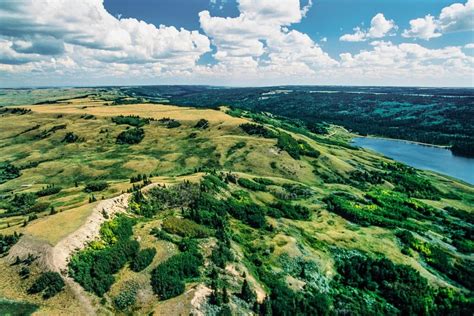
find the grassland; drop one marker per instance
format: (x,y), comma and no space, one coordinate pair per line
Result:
(34,143)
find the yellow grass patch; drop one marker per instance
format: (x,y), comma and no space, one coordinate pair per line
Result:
(54,228)
(156,111)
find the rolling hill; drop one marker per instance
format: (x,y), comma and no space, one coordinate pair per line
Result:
(110,205)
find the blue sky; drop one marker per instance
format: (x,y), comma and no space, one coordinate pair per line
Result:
(237,42)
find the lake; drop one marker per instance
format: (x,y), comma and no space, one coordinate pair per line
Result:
(422,157)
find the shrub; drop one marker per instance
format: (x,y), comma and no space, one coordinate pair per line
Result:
(22,202)
(185,228)
(255,129)
(70,137)
(235,147)
(132,120)
(8,172)
(250,213)
(131,136)
(7,241)
(291,211)
(49,284)
(96,186)
(143,259)
(202,124)
(287,143)
(127,297)
(297,191)
(48,190)
(251,185)
(169,123)
(264,181)
(168,279)
(401,285)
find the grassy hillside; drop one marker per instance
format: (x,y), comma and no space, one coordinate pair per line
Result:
(228,212)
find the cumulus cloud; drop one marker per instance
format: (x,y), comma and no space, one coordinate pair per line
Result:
(79,42)
(413,62)
(259,39)
(37,30)
(379,27)
(454,18)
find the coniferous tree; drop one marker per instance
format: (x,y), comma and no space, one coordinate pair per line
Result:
(246,292)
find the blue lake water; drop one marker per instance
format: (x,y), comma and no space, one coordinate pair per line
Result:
(423,157)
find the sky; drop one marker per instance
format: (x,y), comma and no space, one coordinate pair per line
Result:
(236,42)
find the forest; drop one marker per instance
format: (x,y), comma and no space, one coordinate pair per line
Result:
(434,116)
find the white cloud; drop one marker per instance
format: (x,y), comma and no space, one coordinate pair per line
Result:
(379,27)
(454,18)
(260,39)
(424,28)
(36,28)
(409,63)
(79,42)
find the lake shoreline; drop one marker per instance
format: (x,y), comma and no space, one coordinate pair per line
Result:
(425,157)
(405,141)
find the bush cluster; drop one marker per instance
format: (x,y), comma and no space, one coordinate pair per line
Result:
(131,136)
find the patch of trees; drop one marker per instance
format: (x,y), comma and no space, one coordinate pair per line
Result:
(250,213)
(318,128)
(287,143)
(143,259)
(185,228)
(18,111)
(70,138)
(127,297)
(461,214)
(251,185)
(48,190)
(48,284)
(7,241)
(202,124)
(8,172)
(159,198)
(401,285)
(463,148)
(284,301)
(169,122)
(132,120)
(52,130)
(297,191)
(364,213)
(131,136)
(264,181)
(307,150)
(288,210)
(138,178)
(94,269)
(21,202)
(235,147)
(168,278)
(366,177)
(96,186)
(257,129)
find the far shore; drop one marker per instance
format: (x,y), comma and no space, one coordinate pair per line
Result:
(404,140)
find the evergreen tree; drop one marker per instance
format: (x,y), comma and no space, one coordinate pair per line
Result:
(246,292)
(225,295)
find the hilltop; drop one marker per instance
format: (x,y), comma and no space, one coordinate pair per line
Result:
(111,204)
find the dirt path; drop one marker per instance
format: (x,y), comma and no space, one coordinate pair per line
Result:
(57,258)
